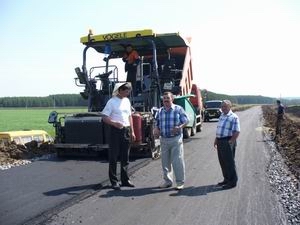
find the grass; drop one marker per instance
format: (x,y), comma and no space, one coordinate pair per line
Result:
(236,108)
(31,118)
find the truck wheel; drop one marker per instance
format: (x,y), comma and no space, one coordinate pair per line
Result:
(199,128)
(187,132)
(193,130)
(156,153)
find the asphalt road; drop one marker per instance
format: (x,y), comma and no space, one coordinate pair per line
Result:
(30,193)
(69,191)
(201,202)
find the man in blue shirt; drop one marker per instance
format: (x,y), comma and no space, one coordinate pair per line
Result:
(228,130)
(170,120)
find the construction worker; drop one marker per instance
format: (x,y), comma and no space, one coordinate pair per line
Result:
(131,59)
(279,119)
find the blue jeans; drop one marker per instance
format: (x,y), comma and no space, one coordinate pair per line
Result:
(172,157)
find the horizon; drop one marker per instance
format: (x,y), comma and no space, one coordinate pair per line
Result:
(286,98)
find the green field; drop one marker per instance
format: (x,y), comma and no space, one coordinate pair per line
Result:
(31,118)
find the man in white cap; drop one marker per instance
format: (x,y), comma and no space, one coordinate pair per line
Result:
(117,113)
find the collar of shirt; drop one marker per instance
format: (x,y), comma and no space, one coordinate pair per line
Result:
(228,114)
(172,107)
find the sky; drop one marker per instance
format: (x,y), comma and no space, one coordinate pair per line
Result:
(239,47)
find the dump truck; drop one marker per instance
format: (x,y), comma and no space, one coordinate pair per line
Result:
(165,65)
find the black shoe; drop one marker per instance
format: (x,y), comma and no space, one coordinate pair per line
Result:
(127,184)
(116,186)
(228,186)
(222,183)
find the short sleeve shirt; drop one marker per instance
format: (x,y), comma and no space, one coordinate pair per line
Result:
(166,120)
(228,124)
(118,110)
(131,57)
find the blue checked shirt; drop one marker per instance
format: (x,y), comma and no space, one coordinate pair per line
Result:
(167,120)
(228,124)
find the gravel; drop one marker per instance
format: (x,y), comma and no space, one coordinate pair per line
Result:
(22,162)
(285,184)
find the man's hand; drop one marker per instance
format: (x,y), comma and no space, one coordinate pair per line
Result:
(156,132)
(118,125)
(175,130)
(215,144)
(133,137)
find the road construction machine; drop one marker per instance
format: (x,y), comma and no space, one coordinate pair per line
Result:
(165,64)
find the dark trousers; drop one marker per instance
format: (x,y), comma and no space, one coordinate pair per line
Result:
(131,77)
(226,154)
(278,126)
(119,145)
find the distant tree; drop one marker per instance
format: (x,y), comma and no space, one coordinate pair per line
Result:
(61,100)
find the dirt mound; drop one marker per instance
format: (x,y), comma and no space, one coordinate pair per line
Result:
(293,110)
(10,153)
(289,142)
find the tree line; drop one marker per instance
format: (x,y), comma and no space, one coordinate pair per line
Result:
(60,100)
(247,99)
(76,100)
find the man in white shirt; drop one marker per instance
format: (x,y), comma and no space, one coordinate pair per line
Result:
(117,113)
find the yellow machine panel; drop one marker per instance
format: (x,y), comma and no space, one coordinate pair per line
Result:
(117,36)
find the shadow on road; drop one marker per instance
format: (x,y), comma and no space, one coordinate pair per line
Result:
(133,192)
(75,190)
(188,191)
(84,158)
(197,191)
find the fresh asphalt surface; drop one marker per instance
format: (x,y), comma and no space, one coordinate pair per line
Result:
(32,192)
(69,191)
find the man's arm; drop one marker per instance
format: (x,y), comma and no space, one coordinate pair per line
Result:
(156,130)
(184,119)
(110,122)
(234,137)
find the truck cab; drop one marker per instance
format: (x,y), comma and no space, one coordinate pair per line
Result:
(212,110)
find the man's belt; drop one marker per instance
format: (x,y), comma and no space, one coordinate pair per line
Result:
(224,138)
(171,136)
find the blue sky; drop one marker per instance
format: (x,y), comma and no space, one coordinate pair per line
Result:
(239,47)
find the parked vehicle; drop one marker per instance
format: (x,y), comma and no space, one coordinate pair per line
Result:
(165,65)
(25,136)
(212,110)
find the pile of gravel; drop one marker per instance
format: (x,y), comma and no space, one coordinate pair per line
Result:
(285,184)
